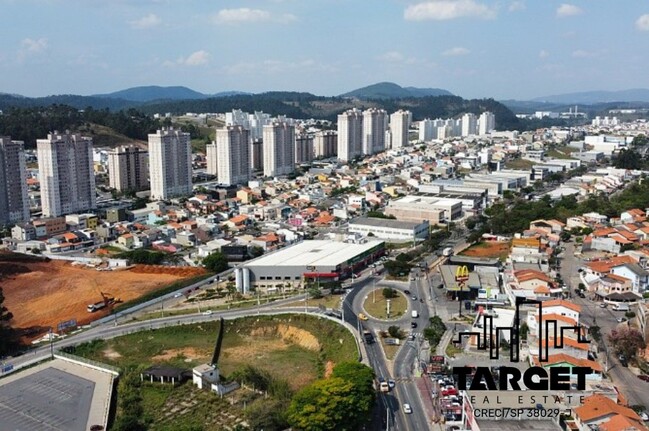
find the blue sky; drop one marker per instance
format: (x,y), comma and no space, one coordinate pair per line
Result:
(473,48)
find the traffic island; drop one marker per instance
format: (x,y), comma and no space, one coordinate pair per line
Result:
(383,305)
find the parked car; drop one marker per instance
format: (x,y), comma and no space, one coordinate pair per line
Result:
(644,416)
(603,305)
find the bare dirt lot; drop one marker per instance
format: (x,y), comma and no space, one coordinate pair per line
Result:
(488,249)
(43,294)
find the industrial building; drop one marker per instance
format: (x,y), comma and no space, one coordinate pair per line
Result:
(420,208)
(390,229)
(313,260)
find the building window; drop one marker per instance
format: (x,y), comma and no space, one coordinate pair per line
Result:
(278,278)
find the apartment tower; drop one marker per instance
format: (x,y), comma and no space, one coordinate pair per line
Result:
(66,176)
(233,155)
(375,122)
(170,164)
(350,135)
(128,169)
(279,149)
(399,127)
(14,203)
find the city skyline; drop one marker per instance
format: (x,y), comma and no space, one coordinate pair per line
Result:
(473,48)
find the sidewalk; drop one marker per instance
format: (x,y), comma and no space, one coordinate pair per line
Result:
(443,343)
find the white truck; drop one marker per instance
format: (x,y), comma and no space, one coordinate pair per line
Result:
(447,252)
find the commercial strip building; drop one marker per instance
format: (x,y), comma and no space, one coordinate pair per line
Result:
(389,229)
(313,260)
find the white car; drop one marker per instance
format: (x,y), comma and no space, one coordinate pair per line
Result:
(644,416)
(178,295)
(407,409)
(207,313)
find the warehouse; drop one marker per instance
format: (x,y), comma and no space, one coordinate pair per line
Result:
(390,229)
(312,260)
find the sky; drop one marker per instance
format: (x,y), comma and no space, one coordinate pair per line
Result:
(503,49)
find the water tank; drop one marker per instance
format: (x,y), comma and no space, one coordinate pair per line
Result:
(246,280)
(238,279)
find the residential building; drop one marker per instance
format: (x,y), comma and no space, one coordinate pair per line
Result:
(127,168)
(399,127)
(66,173)
(486,123)
(232,155)
(469,124)
(14,202)
(427,130)
(350,135)
(211,158)
(303,149)
(170,164)
(257,155)
(374,125)
(279,149)
(324,144)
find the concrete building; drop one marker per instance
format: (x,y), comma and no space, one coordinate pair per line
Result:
(128,169)
(279,149)
(257,155)
(419,208)
(233,155)
(469,124)
(350,135)
(211,158)
(66,174)
(325,143)
(170,164)
(303,149)
(14,202)
(399,127)
(486,123)
(375,123)
(389,229)
(292,267)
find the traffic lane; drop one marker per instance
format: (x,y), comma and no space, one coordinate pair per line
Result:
(634,389)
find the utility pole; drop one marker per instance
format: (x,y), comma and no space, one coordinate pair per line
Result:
(51,344)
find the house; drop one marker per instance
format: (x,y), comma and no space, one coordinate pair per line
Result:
(639,277)
(563,360)
(633,215)
(604,413)
(530,279)
(127,240)
(24,232)
(550,226)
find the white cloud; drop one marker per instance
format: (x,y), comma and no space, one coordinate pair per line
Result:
(391,57)
(247,15)
(455,52)
(149,21)
(516,6)
(566,10)
(581,53)
(197,58)
(544,54)
(642,23)
(441,10)
(34,46)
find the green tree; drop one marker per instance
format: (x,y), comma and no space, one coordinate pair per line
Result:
(389,293)
(394,331)
(216,262)
(267,414)
(7,334)
(626,341)
(361,376)
(256,251)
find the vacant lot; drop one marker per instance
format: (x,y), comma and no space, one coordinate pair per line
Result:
(489,249)
(43,294)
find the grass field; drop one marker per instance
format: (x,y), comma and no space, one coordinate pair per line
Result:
(518,164)
(328,301)
(390,349)
(376,305)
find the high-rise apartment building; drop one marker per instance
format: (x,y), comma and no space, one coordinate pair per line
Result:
(324,143)
(14,203)
(257,155)
(170,164)
(469,124)
(128,168)
(427,130)
(303,149)
(233,155)
(67,179)
(486,123)
(279,149)
(375,122)
(399,127)
(350,134)
(211,158)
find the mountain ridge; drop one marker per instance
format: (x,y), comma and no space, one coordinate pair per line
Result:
(390,90)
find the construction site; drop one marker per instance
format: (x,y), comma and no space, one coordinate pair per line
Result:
(43,294)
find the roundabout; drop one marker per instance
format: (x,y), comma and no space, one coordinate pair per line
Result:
(379,304)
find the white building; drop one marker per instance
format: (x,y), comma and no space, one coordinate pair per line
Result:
(469,124)
(350,135)
(170,164)
(399,127)
(127,168)
(303,149)
(279,149)
(375,123)
(256,123)
(66,174)
(211,158)
(14,202)
(324,144)
(486,123)
(389,229)
(232,155)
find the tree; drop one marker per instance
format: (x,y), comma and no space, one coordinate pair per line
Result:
(216,262)
(7,334)
(267,415)
(315,292)
(389,293)
(256,251)
(524,330)
(626,341)
(360,375)
(435,331)
(394,331)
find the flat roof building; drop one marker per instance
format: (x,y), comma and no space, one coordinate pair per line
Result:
(420,208)
(312,260)
(390,229)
